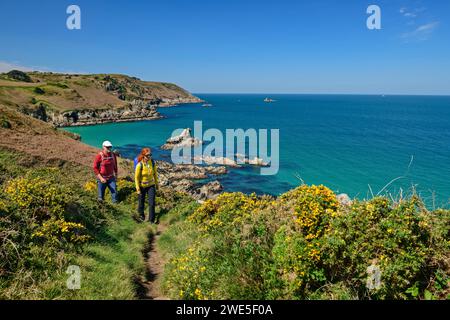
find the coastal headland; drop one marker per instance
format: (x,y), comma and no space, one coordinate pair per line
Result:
(75,99)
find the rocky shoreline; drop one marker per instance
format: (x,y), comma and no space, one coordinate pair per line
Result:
(137,110)
(164,103)
(182,178)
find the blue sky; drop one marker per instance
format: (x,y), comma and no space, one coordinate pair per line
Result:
(279,46)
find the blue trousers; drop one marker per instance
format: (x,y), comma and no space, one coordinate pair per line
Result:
(111,185)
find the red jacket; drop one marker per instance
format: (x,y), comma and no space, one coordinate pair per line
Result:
(105,164)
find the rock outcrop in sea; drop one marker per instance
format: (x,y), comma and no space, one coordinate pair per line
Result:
(209,160)
(255,161)
(344,199)
(181,177)
(185,139)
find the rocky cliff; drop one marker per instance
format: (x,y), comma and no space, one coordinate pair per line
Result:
(136,110)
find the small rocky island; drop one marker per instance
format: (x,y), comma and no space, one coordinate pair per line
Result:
(185,139)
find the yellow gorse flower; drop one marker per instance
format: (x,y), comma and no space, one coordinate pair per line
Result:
(36,193)
(60,230)
(90,186)
(41,197)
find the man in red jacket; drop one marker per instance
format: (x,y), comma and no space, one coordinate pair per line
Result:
(105,169)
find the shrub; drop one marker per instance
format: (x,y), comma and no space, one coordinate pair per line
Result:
(42,214)
(224,261)
(19,76)
(407,242)
(38,196)
(4,123)
(61,85)
(304,245)
(296,268)
(54,231)
(38,90)
(189,269)
(227,210)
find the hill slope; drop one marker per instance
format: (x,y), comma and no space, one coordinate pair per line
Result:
(50,219)
(65,99)
(304,244)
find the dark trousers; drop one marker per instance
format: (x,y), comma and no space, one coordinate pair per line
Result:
(151,192)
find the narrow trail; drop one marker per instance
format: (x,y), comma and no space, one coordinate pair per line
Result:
(149,287)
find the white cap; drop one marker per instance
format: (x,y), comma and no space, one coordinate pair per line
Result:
(107,144)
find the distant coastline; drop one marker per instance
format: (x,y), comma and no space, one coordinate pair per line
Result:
(66,100)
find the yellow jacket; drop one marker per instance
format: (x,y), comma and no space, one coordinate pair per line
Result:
(145,175)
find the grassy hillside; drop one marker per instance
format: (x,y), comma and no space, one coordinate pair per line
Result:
(75,99)
(44,142)
(39,139)
(64,92)
(50,219)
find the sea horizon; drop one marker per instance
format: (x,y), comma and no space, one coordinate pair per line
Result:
(323,94)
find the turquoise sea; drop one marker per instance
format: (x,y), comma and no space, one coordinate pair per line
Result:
(356,144)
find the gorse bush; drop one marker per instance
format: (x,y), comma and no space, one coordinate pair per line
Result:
(39,196)
(190,269)
(54,231)
(227,209)
(43,214)
(40,199)
(297,245)
(407,242)
(305,245)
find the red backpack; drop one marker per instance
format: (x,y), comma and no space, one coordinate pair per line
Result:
(113,157)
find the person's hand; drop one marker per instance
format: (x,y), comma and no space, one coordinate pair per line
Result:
(101,179)
(138,191)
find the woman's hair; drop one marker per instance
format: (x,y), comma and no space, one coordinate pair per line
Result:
(144,151)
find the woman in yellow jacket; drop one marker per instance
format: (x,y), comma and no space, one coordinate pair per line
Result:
(146,178)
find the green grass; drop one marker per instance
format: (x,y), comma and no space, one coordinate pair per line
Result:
(11,165)
(179,236)
(109,268)
(110,263)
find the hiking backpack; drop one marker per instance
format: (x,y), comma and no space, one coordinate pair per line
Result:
(136,162)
